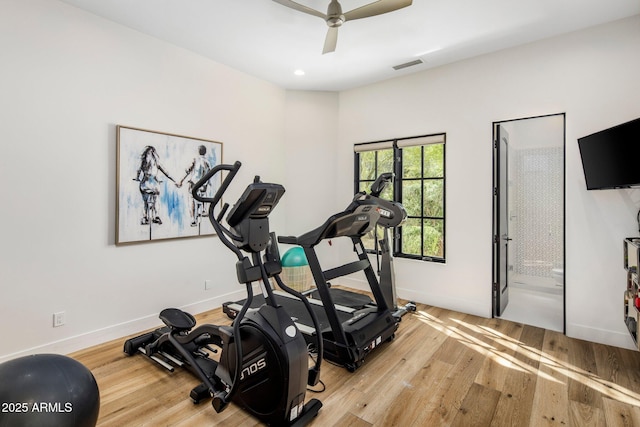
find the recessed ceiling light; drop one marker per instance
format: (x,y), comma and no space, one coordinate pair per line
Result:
(299,72)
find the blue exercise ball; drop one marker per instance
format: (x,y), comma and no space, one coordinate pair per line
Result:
(294,257)
(47,390)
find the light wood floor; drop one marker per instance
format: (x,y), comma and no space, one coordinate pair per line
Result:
(443,369)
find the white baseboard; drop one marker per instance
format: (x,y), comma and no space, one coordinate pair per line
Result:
(602,336)
(583,332)
(100,336)
(462,305)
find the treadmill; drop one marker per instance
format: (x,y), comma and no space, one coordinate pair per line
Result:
(392,215)
(349,334)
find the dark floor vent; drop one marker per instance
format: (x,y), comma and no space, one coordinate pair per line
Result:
(407,64)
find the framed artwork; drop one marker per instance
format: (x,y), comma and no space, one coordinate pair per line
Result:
(155,174)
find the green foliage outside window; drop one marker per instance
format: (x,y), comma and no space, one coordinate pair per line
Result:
(419,172)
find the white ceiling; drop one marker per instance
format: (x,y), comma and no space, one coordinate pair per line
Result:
(270,41)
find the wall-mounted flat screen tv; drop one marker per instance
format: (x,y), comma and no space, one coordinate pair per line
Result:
(611,158)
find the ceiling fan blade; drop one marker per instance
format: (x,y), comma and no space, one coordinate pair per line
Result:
(301,8)
(331,40)
(376,8)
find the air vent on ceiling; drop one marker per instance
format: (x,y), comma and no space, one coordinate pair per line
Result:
(407,64)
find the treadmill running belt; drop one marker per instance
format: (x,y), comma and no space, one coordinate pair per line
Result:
(346,298)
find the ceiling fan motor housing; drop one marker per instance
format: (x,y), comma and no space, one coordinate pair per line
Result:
(335,21)
(335,18)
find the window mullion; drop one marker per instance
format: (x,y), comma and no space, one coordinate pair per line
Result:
(422,201)
(397,194)
(356,177)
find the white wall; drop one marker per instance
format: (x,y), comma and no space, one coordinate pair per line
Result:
(67,79)
(310,165)
(311,136)
(593,76)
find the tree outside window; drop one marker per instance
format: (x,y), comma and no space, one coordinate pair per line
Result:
(418,165)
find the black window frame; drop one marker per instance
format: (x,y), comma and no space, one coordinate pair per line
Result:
(397,190)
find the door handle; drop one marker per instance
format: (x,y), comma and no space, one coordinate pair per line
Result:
(505,237)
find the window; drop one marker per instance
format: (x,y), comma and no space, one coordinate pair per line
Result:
(418,165)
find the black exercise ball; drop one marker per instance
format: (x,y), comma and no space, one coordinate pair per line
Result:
(47,390)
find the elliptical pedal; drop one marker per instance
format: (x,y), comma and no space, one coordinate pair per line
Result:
(177,320)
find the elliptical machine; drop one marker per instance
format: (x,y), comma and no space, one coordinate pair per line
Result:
(268,373)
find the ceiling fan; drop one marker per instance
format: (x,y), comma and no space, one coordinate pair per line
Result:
(335,18)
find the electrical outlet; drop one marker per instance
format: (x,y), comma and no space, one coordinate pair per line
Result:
(58,319)
(208,284)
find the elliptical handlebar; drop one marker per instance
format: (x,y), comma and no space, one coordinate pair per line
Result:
(233,170)
(222,232)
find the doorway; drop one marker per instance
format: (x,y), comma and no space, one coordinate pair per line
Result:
(529,221)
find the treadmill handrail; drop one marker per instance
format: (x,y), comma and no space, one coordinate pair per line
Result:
(377,211)
(349,223)
(346,269)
